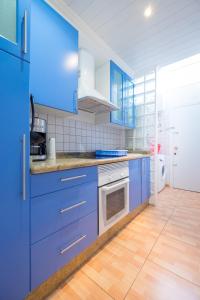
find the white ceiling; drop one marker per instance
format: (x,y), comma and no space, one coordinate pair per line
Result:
(171,34)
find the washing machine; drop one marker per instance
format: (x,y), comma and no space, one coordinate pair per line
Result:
(161,172)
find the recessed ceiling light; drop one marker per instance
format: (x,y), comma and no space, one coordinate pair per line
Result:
(148,11)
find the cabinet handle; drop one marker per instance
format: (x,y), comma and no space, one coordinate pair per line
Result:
(71,207)
(73,244)
(25,50)
(72,178)
(24,167)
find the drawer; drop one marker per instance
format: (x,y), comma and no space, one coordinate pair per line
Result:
(52,253)
(53,211)
(50,182)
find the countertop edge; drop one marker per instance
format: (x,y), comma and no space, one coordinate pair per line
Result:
(62,166)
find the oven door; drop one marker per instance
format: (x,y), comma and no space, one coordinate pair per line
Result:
(113,203)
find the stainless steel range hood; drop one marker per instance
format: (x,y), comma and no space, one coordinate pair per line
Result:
(89,99)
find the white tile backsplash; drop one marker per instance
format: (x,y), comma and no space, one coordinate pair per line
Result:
(81,136)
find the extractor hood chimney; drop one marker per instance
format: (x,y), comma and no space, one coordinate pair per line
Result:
(89,99)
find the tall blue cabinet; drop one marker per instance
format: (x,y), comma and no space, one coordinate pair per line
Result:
(14,186)
(14,183)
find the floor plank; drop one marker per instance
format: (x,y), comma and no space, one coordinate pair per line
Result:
(157,283)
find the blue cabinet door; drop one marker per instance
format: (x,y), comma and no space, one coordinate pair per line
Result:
(54,59)
(14,211)
(116,93)
(135,186)
(121,94)
(145,179)
(14,27)
(128,102)
(58,249)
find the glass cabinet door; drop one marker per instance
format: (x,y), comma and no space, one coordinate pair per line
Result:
(8,16)
(14,27)
(117,93)
(128,102)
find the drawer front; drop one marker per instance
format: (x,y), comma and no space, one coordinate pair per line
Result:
(51,212)
(52,253)
(42,184)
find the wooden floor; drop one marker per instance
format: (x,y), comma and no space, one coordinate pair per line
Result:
(156,257)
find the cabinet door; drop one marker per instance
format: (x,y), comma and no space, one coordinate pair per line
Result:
(135,186)
(54,59)
(14,27)
(145,179)
(14,209)
(128,102)
(116,90)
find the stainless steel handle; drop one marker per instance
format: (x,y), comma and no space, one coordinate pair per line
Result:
(113,186)
(72,178)
(25,49)
(73,244)
(24,167)
(71,207)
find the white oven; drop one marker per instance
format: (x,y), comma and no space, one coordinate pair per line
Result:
(113,194)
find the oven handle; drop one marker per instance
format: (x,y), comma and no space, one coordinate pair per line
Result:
(110,187)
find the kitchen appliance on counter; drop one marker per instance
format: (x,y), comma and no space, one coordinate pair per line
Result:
(38,140)
(113,186)
(38,136)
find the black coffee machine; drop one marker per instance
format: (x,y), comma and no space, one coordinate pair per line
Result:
(38,136)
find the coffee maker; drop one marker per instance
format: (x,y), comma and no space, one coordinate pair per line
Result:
(38,136)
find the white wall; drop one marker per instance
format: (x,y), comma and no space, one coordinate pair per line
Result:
(179,85)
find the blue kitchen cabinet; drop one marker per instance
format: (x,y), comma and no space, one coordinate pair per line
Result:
(121,94)
(128,102)
(135,185)
(145,179)
(14,27)
(54,59)
(64,207)
(14,186)
(58,249)
(116,93)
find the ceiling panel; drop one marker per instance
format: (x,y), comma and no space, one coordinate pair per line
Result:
(172,32)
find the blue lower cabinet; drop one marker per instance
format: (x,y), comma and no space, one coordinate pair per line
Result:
(135,186)
(145,179)
(53,252)
(53,211)
(50,182)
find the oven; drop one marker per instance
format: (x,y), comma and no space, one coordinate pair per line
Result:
(113,194)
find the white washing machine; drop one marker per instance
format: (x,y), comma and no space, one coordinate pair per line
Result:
(161,172)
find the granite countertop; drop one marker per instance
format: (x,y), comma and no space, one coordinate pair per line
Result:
(64,162)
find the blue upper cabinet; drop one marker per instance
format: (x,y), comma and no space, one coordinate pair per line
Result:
(121,94)
(128,102)
(14,186)
(116,93)
(54,59)
(14,27)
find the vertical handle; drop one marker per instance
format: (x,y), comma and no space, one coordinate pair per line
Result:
(75,98)
(25,48)
(24,167)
